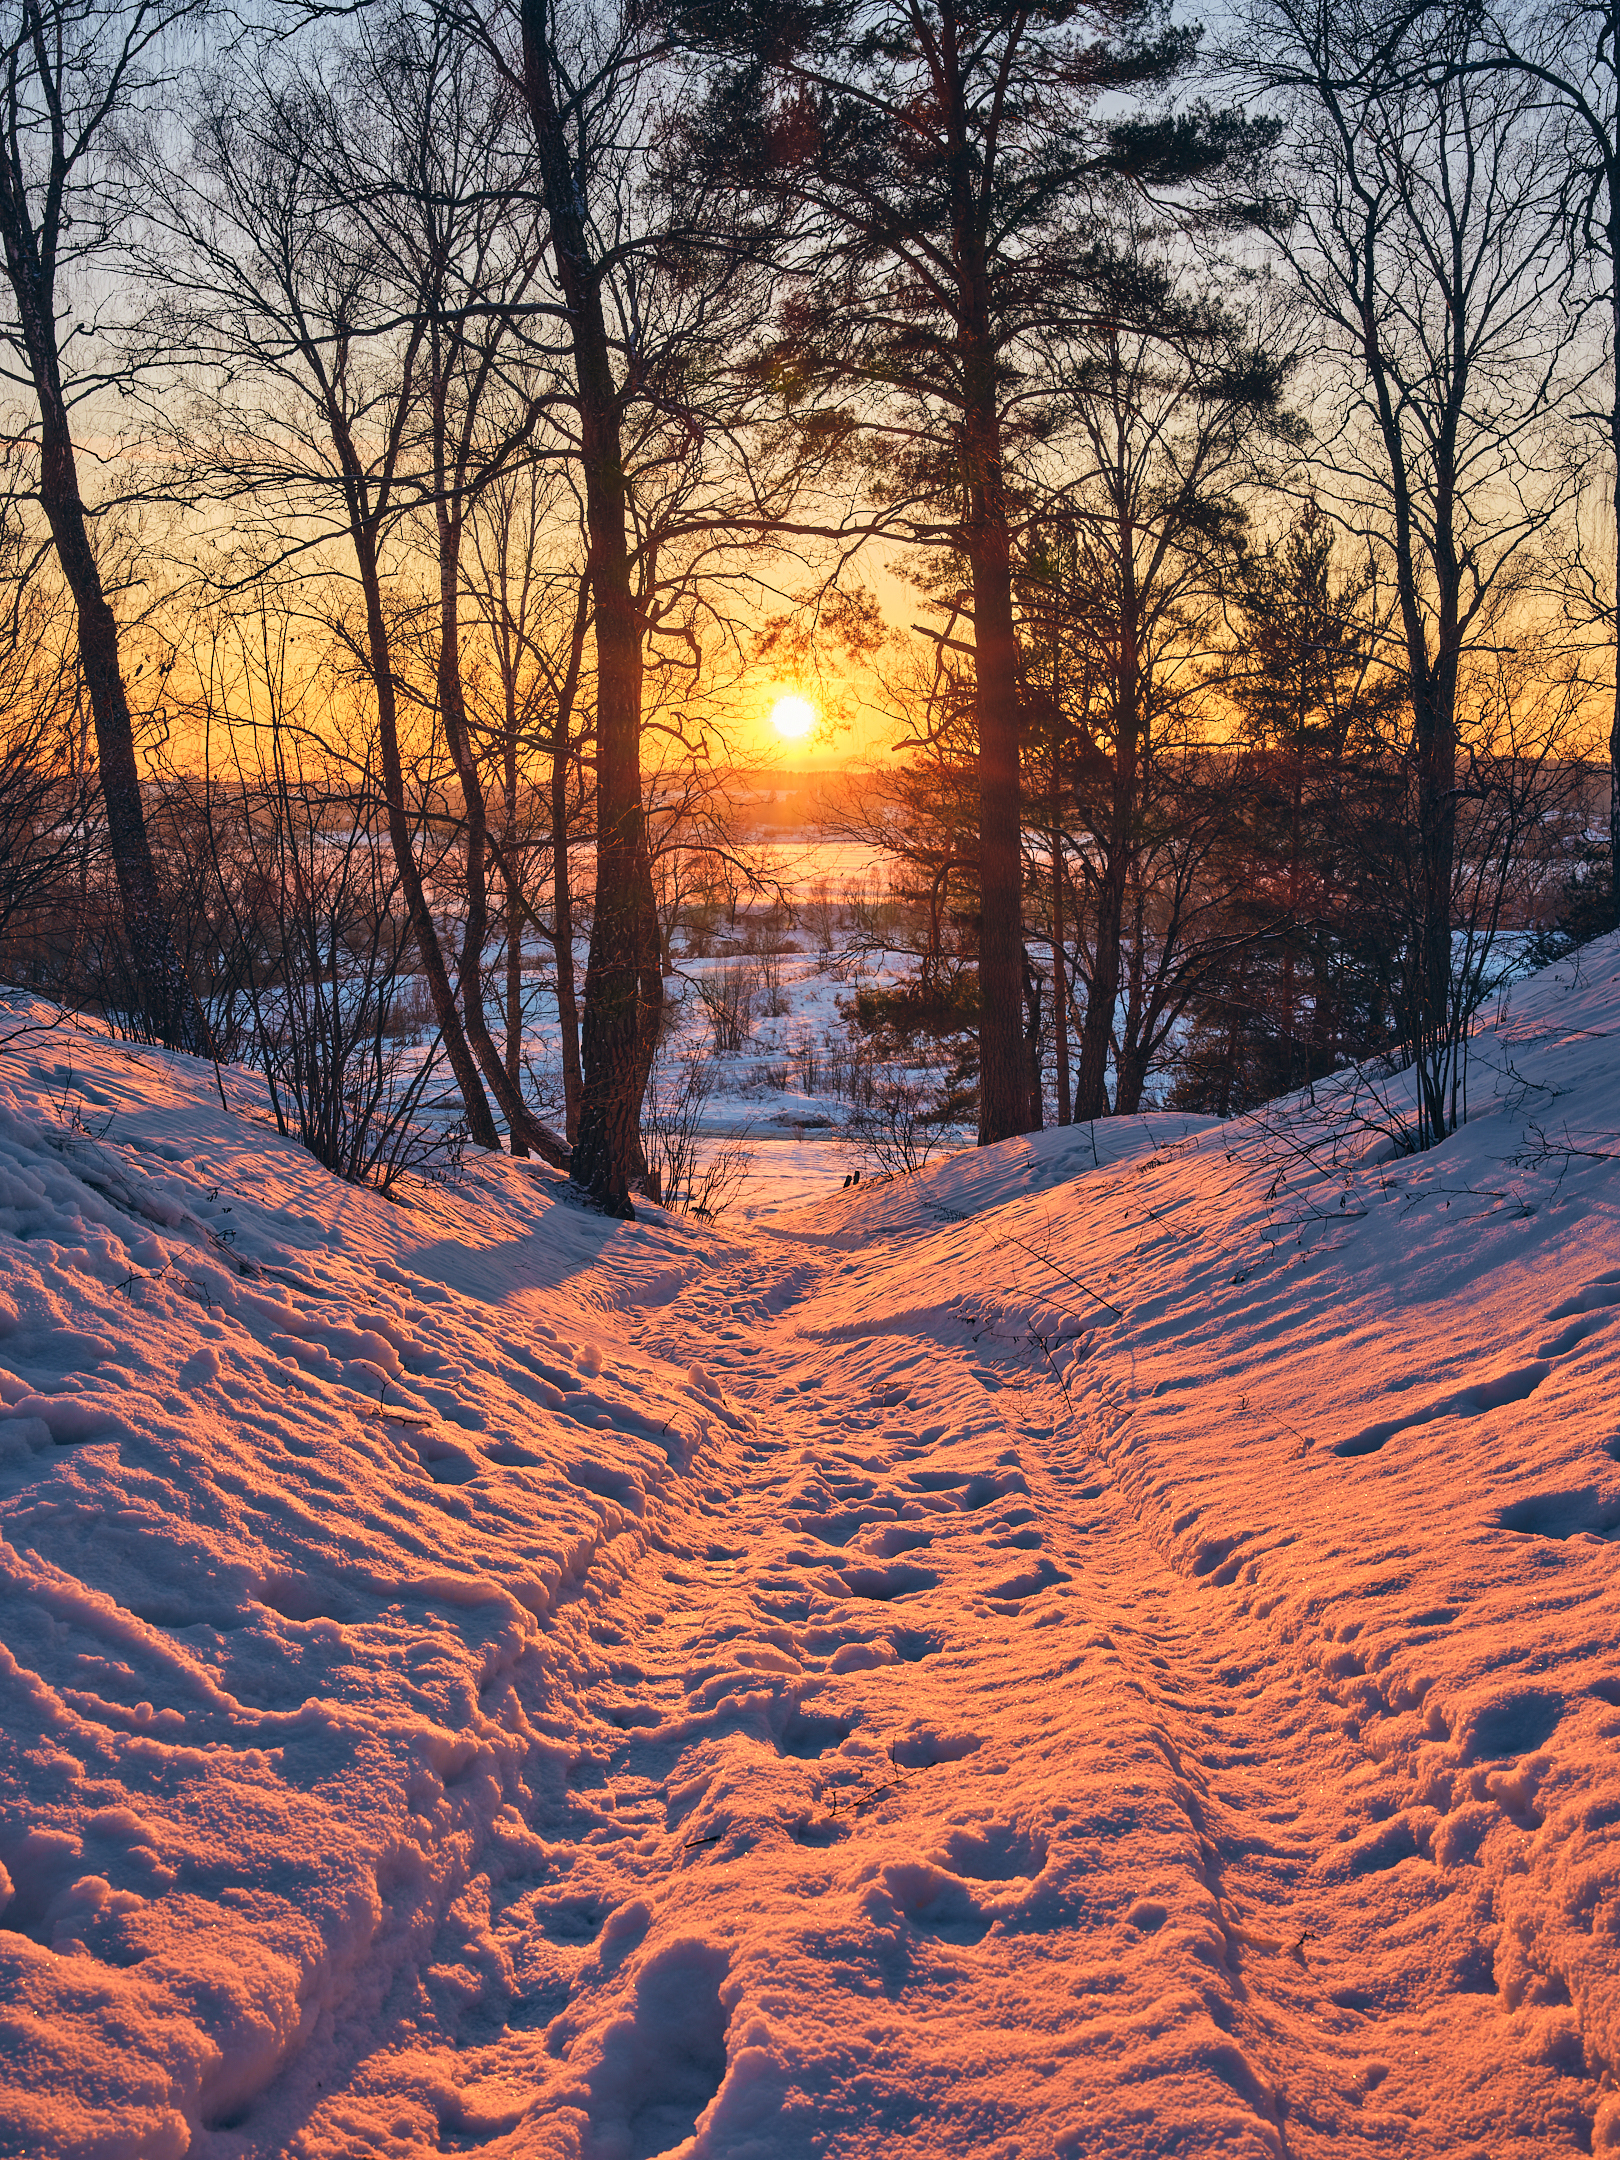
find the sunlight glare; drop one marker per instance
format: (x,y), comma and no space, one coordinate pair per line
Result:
(793,717)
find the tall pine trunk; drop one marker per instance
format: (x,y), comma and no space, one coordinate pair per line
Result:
(1003,1061)
(1096,1039)
(623,981)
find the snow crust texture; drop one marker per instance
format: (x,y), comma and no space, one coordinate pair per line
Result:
(1107,1647)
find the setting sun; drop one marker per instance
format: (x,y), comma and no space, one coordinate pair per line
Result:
(793,717)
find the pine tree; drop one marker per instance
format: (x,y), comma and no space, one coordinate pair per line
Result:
(943,170)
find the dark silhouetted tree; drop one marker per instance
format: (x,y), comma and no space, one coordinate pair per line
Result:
(943,169)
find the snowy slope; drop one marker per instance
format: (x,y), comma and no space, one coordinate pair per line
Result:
(1110,1646)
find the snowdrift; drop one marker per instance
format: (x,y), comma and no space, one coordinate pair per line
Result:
(1109,1646)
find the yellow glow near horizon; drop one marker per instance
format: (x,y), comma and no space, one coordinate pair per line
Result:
(793,717)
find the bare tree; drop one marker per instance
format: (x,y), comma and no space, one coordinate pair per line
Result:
(1569,50)
(658,267)
(323,355)
(651,282)
(464,235)
(1167,419)
(47,777)
(582,81)
(535,613)
(681,1171)
(74,73)
(292,816)
(1420,202)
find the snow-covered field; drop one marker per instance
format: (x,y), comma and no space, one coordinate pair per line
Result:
(783,1089)
(1107,1647)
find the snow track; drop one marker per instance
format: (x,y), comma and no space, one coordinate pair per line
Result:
(1107,1647)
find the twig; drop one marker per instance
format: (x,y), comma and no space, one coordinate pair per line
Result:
(1271,1417)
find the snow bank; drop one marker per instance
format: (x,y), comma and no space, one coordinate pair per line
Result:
(1107,1646)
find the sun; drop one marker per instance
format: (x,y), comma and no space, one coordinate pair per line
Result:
(793,717)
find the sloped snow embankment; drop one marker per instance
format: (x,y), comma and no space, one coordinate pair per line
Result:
(291,1478)
(1110,1646)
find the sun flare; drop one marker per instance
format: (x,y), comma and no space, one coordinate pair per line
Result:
(793,717)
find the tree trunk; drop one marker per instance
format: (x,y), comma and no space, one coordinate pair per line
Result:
(1003,1071)
(170,1010)
(562,916)
(1060,995)
(526,1129)
(1322,1041)
(1437,824)
(514,897)
(1096,1040)
(623,984)
(1432,685)
(514,975)
(480,1125)
(1032,1044)
(1296,872)
(1131,1065)
(1131,1083)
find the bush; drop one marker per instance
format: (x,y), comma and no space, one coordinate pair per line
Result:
(728,997)
(901,1122)
(678,1094)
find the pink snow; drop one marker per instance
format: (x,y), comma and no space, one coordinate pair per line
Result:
(1107,1646)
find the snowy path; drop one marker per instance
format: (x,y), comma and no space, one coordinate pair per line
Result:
(1106,1648)
(946,1740)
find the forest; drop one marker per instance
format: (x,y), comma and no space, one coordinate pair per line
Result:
(1190,451)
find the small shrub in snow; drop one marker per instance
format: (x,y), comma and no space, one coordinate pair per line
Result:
(728,995)
(900,1123)
(821,914)
(778,1002)
(806,1058)
(678,1095)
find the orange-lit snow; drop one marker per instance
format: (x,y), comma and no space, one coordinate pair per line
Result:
(478,1677)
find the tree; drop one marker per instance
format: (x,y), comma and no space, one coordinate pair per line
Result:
(463,236)
(1569,50)
(1166,408)
(1319,708)
(47,778)
(75,71)
(944,170)
(283,803)
(579,103)
(1320,824)
(536,618)
(653,278)
(319,324)
(1421,195)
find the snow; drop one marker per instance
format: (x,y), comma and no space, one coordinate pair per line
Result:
(1107,1646)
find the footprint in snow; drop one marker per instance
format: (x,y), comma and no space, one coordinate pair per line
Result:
(660,2068)
(1495,1393)
(1585,1513)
